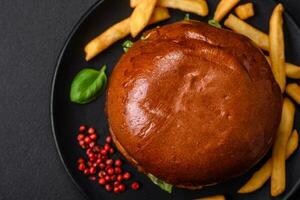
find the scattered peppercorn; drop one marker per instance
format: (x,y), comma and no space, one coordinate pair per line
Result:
(118,163)
(126,176)
(99,164)
(81,167)
(101,181)
(135,185)
(91,130)
(93,136)
(108,139)
(82,128)
(108,187)
(122,187)
(80,137)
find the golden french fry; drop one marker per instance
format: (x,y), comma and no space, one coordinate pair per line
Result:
(245,11)
(293,90)
(159,14)
(198,7)
(258,37)
(292,71)
(134,3)
(224,8)
(260,177)
(278,182)
(141,16)
(117,32)
(216,197)
(276,40)
(110,36)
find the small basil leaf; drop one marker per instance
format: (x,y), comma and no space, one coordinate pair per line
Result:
(187,16)
(163,185)
(87,85)
(127,45)
(214,23)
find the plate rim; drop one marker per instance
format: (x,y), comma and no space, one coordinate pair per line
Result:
(69,37)
(66,42)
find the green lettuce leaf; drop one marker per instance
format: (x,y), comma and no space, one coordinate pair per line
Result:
(187,16)
(163,185)
(214,23)
(127,45)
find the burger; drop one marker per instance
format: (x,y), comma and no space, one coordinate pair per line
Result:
(193,105)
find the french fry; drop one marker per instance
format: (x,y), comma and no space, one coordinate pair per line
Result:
(198,7)
(224,8)
(293,90)
(110,36)
(291,70)
(216,197)
(260,177)
(276,40)
(278,182)
(159,14)
(245,11)
(117,32)
(134,3)
(141,16)
(258,37)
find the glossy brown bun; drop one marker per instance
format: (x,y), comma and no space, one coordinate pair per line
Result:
(193,105)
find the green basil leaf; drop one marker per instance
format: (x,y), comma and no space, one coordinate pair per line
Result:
(87,85)
(187,16)
(214,23)
(163,185)
(127,45)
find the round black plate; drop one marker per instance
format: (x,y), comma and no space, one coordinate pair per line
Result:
(66,116)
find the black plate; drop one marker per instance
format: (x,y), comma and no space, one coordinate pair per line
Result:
(66,116)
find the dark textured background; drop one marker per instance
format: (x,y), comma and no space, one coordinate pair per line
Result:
(32,33)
